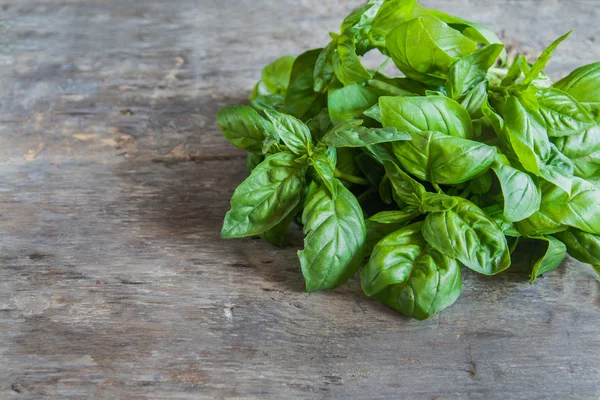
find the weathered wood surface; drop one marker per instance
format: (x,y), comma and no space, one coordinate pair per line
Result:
(113,183)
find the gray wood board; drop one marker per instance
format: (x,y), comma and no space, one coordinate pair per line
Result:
(114,181)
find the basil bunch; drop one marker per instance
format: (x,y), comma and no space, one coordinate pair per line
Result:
(457,163)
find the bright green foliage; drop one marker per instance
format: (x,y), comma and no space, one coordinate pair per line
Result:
(458,161)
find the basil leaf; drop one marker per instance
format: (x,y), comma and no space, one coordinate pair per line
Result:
(252,160)
(243,127)
(584,85)
(444,159)
(276,235)
(346,64)
(528,139)
(323,73)
(293,132)
(426,114)
(262,99)
(300,94)
(410,276)
(392,14)
(563,115)
(351,134)
(517,69)
(467,234)
(582,246)
(583,150)
(266,197)
(541,62)
(324,163)
(424,48)
(349,102)
(276,76)
(471,70)
(576,208)
(521,196)
(475,100)
(546,257)
(383,223)
(407,189)
(335,239)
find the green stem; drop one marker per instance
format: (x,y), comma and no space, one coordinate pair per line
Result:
(465,193)
(438,188)
(351,178)
(385,63)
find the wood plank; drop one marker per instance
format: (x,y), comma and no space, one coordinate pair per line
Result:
(114,181)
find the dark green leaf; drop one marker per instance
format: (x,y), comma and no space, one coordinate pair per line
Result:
(252,160)
(410,276)
(407,189)
(582,246)
(324,73)
(300,95)
(475,100)
(266,197)
(335,239)
(547,256)
(467,234)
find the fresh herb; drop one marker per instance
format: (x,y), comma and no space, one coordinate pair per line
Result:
(464,158)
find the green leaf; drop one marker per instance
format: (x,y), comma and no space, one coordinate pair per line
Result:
(467,234)
(374,112)
(583,150)
(346,64)
(582,246)
(407,189)
(444,159)
(424,48)
(351,134)
(276,76)
(471,70)
(563,115)
(349,102)
(475,100)
(521,196)
(324,73)
(547,256)
(300,94)
(410,276)
(335,239)
(276,235)
(262,99)
(584,85)
(383,223)
(392,14)
(577,208)
(518,68)
(426,114)
(526,132)
(324,163)
(481,184)
(266,197)
(293,132)
(243,127)
(541,62)
(252,160)
(437,202)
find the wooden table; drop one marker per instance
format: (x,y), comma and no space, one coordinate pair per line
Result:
(114,181)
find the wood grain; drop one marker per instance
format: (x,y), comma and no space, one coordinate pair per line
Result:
(114,181)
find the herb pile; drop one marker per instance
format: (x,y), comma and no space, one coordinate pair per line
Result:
(458,162)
